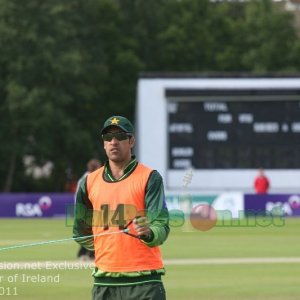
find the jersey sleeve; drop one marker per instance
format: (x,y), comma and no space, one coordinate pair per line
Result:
(157,211)
(83,214)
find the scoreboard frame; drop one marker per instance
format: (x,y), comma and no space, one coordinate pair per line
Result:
(155,91)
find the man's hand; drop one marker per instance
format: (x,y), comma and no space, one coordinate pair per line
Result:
(141,226)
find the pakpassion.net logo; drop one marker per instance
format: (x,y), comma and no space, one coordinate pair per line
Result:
(202,217)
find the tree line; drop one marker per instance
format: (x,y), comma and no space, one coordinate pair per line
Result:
(67,65)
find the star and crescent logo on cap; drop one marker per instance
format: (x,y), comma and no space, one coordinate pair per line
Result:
(114,121)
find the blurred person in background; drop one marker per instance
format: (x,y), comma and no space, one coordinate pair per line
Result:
(91,166)
(261,182)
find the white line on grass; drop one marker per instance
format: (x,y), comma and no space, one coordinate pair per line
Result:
(84,265)
(230,261)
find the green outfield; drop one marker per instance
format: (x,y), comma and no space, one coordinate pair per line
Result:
(235,261)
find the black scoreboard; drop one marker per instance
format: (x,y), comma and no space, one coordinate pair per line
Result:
(237,129)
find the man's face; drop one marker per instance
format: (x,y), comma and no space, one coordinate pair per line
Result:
(118,150)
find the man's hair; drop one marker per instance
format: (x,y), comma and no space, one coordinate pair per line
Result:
(93,165)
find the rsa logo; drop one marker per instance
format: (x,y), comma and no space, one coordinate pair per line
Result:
(33,209)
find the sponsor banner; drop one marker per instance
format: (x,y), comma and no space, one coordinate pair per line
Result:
(34,205)
(39,205)
(281,204)
(184,201)
(229,205)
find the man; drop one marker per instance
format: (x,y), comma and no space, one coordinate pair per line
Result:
(91,166)
(120,196)
(261,183)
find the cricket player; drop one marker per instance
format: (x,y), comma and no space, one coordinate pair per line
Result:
(122,205)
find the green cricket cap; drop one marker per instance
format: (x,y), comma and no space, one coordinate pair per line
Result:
(120,122)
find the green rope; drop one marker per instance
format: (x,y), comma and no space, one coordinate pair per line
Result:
(61,240)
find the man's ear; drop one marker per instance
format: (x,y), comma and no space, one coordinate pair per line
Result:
(132,141)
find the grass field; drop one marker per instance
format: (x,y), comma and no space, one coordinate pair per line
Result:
(227,262)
